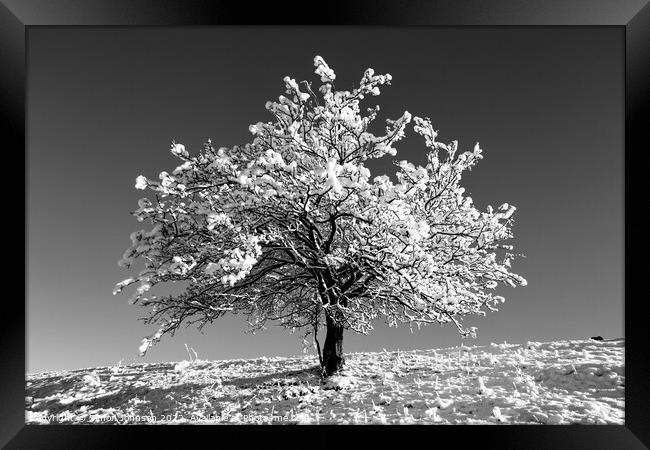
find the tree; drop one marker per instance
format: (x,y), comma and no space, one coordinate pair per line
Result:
(291,227)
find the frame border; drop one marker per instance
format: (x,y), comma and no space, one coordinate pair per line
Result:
(17,16)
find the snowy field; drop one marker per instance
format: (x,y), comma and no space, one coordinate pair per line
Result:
(560,382)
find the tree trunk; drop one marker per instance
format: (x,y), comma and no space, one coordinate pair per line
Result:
(333,348)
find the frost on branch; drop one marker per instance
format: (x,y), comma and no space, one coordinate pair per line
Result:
(292,227)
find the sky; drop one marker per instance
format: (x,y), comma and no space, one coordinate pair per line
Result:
(104,104)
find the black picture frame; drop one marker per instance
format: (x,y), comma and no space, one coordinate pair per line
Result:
(18,16)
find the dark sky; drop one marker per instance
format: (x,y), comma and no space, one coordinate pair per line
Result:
(546,105)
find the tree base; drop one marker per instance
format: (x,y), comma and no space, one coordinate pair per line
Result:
(333,365)
(333,360)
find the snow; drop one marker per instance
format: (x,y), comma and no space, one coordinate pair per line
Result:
(119,286)
(92,379)
(563,382)
(182,366)
(323,70)
(179,150)
(140,182)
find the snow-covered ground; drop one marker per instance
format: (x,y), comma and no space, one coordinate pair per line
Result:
(534,383)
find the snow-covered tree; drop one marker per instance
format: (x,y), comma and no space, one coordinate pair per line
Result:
(292,227)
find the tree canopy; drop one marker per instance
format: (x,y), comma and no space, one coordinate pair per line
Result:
(292,227)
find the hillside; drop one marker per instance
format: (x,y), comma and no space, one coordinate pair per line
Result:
(534,383)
